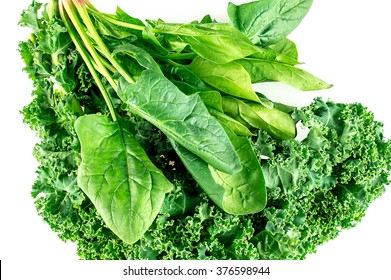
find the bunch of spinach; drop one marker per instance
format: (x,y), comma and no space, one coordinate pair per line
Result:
(193,82)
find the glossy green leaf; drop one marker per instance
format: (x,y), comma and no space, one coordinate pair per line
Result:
(268,21)
(237,127)
(183,75)
(217,42)
(139,54)
(286,47)
(191,84)
(106,27)
(262,70)
(212,99)
(150,37)
(277,123)
(118,177)
(181,117)
(241,193)
(230,78)
(271,54)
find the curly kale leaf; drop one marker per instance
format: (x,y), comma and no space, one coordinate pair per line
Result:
(326,182)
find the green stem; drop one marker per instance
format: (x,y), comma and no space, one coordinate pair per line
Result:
(108,66)
(114,21)
(173,63)
(88,60)
(81,8)
(78,26)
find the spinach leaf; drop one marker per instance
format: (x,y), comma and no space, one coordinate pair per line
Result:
(230,78)
(251,114)
(240,193)
(266,22)
(286,47)
(118,177)
(217,42)
(107,24)
(189,83)
(151,38)
(184,118)
(234,125)
(262,70)
(139,54)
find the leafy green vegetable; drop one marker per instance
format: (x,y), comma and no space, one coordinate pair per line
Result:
(230,78)
(266,22)
(155,146)
(159,101)
(286,47)
(118,177)
(261,70)
(228,190)
(255,115)
(344,143)
(324,183)
(219,43)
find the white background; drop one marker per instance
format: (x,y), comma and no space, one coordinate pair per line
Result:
(347,43)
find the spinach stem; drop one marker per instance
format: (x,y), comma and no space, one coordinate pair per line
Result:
(114,21)
(74,21)
(93,64)
(99,42)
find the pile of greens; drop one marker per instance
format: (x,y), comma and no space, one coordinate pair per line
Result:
(154,144)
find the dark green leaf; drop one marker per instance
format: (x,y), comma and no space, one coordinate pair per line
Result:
(116,174)
(277,123)
(123,16)
(230,78)
(212,99)
(183,118)
(240,193)
(105,26)
(268,21)
(220,43)
(139,54)
(237,127)
(150,37)
(183,75)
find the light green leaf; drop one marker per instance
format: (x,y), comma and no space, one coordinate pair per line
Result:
(262,70)
(181,117)
(106,27)
(182,74)
(30,18)
(278,124)
(268,21)
(286,47)
(118,177)
(139,54)
(230,78)
(217,42)
(150,37)
(212,99)
(241,193)
(237,127)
